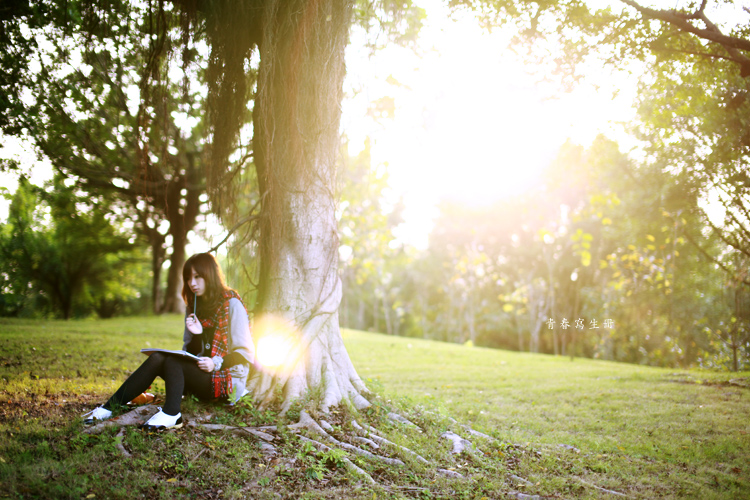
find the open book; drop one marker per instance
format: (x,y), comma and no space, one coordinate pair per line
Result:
(149,352)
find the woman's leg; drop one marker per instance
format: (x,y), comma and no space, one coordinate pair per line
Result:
(139,380)
(182,376)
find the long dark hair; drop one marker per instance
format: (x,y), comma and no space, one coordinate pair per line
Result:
(206,266)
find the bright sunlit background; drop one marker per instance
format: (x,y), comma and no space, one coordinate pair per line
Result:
(469,120)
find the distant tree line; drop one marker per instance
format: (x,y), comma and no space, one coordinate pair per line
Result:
(609,237)
(116,100)
(615,249)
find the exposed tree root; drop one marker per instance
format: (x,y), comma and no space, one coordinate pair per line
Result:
(599,488)
(119,445)
(450,473)
(523,496)
(136,416)
(266,447)
(233,429)
(359,439)
(519,479)
(369,431)
(307,422)
(413,489)
(398,418)
(459,444)
(475,433)
(349,464)
(363,440)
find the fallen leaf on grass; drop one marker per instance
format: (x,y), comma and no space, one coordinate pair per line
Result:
(172,480)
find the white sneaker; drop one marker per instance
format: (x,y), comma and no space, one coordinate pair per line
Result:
(99,413)
(162,421)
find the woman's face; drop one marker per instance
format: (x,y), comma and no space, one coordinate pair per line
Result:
(197,284)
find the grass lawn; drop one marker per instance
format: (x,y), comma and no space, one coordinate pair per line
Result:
(561,428)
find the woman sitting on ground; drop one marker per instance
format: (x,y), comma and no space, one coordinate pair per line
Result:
(221,339)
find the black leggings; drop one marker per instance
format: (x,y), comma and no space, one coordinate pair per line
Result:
(181,376)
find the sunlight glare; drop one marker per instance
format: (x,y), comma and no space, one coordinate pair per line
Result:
(473,123)
(272,350)
(276,342)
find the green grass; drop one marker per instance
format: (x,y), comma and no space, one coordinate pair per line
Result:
(645,432)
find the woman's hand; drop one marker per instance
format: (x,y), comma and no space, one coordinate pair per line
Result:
(193,325)
(206,364)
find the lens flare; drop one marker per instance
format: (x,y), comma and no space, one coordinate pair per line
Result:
(276,343)
(273,350)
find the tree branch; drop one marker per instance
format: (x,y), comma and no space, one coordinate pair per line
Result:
(242,222)
(695,53)
(712,32)
(711,257)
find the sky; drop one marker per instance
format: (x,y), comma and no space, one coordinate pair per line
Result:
(471,122)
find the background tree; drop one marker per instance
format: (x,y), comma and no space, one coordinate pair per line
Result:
(365,223)
(107,103)
(693,91)
(61,250)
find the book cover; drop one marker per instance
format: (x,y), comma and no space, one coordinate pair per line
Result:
(150,351)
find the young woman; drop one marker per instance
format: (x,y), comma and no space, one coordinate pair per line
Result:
(219,333)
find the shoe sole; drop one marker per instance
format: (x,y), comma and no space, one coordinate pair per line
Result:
(151,428)
(157,428)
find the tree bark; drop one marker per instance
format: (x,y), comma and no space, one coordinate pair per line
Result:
(296,120)
(182,212)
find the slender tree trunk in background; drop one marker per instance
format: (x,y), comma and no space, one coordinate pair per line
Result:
(361,314)
(576,305)
(156,262)
(386,315)
(156,242)
(470,321)
(519,331)
(423,315)
(173,296)
(296,119)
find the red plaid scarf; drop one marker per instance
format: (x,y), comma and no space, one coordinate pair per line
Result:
(221,379)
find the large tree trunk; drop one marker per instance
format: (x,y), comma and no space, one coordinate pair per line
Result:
(296,120)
